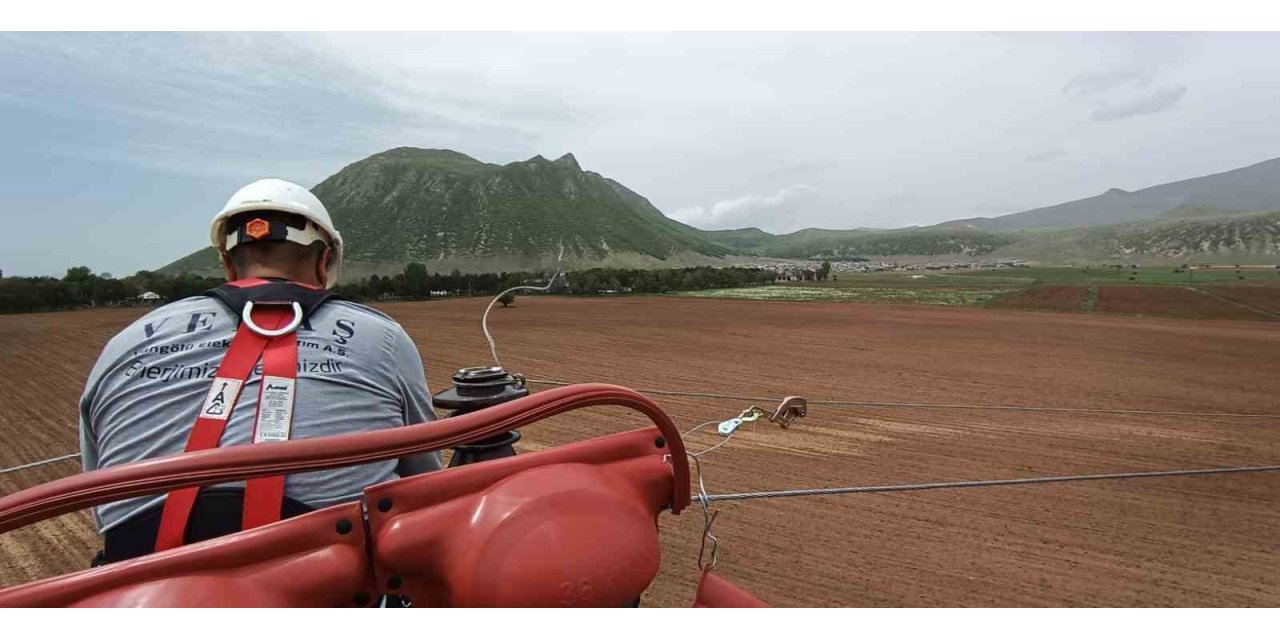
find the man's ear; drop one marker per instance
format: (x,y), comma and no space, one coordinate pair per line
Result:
(322,266)
(228,266)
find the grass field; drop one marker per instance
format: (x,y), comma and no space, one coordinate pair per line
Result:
(1000,278)
(946,296)
(1251,294)
(1142,275)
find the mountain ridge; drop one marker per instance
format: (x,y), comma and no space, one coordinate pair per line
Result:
(1254,187)
(450,210)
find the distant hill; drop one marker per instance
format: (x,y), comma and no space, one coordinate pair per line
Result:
(1252,188)
(450,210)
(827,243)
(748,240)
(1181,235)
(1222,206)
(1218,237)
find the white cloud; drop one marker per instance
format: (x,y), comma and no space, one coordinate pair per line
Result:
(1122,94)
(1052,153)
(1095,82)
(1155,101)
(880,128)
(777,210)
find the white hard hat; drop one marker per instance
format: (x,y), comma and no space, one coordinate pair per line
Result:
(273,194)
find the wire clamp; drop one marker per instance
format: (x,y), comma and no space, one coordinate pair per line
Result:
(727,427)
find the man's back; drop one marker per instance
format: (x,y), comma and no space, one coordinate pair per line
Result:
(357,371)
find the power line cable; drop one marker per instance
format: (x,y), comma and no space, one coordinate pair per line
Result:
(39,463)
(966,484)
(934,406)
(484,319)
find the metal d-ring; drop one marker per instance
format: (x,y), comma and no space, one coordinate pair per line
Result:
(247,317)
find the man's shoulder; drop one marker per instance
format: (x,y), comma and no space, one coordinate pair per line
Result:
(355,308)
(160,324)
(194,304)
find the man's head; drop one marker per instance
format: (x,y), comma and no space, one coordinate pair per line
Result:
(274,228)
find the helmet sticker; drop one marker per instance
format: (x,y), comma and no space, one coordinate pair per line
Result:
(258,229)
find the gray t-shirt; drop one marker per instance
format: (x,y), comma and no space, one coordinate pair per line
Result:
(357,371)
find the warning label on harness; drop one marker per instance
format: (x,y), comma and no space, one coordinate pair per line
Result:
(275,410)
(220,399)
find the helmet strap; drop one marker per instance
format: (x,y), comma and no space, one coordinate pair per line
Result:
(258,229)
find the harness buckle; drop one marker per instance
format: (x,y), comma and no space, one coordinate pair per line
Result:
(247,317)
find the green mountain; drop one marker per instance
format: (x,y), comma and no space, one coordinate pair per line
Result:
(1195,211)
(449,210)
(1229,237)
(1181,235)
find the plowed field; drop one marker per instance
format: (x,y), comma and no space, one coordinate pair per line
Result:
(1170,301)
(1207,541)
(1263,298)
(1049,297)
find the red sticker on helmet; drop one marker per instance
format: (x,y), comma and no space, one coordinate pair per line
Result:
(257,229)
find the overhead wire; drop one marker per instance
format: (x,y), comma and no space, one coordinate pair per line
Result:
(969,484)
(484,319)
(935,406)
(38,463)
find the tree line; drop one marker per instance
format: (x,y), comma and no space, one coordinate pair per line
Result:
(416,282)
(81,288)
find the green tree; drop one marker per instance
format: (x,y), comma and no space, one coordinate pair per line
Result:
(415,279)
(507,298)
(78,274)
(375,286)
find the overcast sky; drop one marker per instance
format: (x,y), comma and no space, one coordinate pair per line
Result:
(117,149)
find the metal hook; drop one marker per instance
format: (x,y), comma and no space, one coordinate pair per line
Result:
(788,410)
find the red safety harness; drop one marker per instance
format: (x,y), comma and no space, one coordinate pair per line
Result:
(270,312)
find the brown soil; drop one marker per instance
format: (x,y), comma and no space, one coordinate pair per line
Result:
(1051,297)
(1207,541)
(1170,302)
(1263,297)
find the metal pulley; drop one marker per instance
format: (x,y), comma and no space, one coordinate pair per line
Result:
(477,388)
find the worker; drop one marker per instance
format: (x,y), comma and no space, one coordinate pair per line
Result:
(188,376)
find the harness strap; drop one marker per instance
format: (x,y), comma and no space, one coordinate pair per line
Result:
(242,355)
(263,496)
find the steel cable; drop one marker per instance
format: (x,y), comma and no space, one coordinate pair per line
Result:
(932,406)
(38,463)
(795,493)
